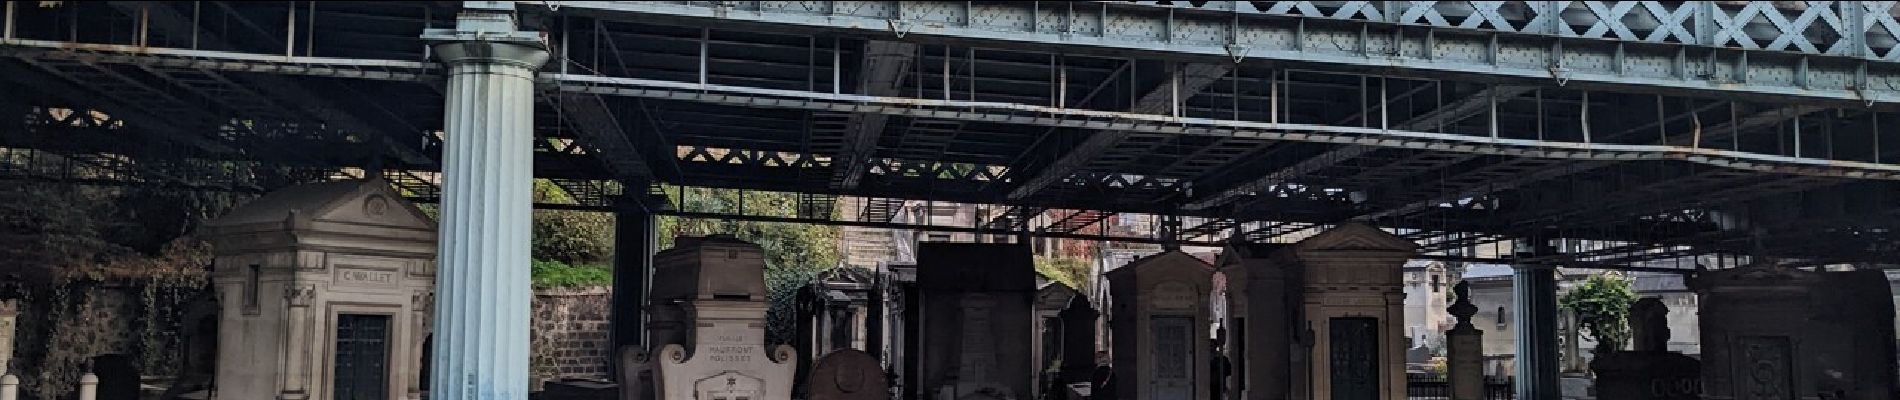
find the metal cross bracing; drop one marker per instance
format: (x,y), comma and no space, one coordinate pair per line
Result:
(1264,120)
(1822,49)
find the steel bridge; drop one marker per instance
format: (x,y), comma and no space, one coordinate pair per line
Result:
(1645,129)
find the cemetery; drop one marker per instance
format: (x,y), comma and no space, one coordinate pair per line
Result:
(932,200)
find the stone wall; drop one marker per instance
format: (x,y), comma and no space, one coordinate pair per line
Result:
(62,328)
(570,334)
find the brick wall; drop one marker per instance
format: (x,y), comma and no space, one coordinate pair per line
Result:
(569,337)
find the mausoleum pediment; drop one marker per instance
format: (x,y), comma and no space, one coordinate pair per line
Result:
(364,215)
(364,202)
(1355,237)
(1163,258)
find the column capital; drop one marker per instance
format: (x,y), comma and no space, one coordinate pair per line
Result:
(487,36)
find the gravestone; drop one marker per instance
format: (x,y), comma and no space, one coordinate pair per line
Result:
(1051,300)
(9,317)
(1078,341)
(976,321)
(1263,298)
(848,374)
(1159,322)
(1777,332)
(1651,371)
(1355,310)
(712,341)
(325,293)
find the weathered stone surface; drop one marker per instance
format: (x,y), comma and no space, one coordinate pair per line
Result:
(977,316)
(1647,375)
(9,317)
(1464,345)
(848,374)
(293,261)
(712,344)
(1078,340)
(1649,325)
(1263,296)
(1775,332)
(1355,309)
(1160,319)
(570,339)
(901,326)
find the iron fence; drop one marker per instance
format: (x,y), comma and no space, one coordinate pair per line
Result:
(1426,387)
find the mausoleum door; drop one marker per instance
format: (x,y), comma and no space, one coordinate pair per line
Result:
(1173,355)
(362,354)
(1355,358)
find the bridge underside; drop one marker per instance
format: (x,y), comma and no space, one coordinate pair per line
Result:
(219,96)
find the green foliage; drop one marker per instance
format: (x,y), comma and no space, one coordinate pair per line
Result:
(556,274)
(794,253)
(573,237)
(1602,303)
(1071,272)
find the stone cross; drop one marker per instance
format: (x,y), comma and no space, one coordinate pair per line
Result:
(1464,347)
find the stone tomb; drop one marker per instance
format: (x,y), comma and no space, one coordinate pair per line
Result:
(897,331)
(1651,371)
(848,374)
(976,325)
(1775,332)
(708,319)
(1263,296)
(834,313)
(325,291)
(1065,328)
(1354,308)
(1159,324)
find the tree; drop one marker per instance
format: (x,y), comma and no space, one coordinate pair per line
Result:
(1602,304)
(1072,272)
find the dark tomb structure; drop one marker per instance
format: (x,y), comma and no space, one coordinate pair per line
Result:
(977,316)
(1776,332)
(1159,320)
(847,374)
(833,313)
(1651,371)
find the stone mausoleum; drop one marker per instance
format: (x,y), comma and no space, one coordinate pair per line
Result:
(325,292)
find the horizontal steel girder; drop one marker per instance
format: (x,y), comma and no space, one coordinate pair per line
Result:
(1699,47)
(1107,120)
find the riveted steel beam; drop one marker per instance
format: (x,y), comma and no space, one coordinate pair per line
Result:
(1450,113)
(1719,58)
(1164,99)
(1008,113)
(883,70)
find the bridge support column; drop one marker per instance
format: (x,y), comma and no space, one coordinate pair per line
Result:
(482,286)
(633,267)
(1534,298)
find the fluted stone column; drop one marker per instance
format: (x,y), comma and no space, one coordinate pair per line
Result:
(1464,348)
(481,320)
(1534,294)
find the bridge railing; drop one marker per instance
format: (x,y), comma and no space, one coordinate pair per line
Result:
(1864,29)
